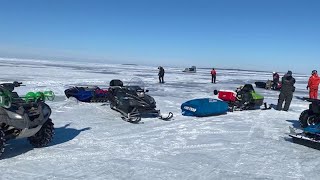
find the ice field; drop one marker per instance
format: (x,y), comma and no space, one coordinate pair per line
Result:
(92,141)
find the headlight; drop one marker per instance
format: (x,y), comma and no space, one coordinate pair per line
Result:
(14,115)
(140,94)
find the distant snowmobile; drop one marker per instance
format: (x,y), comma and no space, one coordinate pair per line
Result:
(132,101)
(193,69)
(244,98)
(268,85)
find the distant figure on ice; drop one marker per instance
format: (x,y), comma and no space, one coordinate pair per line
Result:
(286,92)
(213,75)
(161,74)
(275,80)
(313,85)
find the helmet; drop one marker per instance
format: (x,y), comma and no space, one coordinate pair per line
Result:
(314,72)
(273,72)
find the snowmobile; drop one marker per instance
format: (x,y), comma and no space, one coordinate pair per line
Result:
(243,98)
(310,116)
(310,136)
(268,85)
(87,93)
(132,102)
(25,117)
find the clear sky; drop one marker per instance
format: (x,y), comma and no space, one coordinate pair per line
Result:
(275,35)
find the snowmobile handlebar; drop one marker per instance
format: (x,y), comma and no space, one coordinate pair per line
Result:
(17,84)
(11,86)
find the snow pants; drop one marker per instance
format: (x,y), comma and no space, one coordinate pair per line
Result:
(213,78)
(313,93)
(287,97)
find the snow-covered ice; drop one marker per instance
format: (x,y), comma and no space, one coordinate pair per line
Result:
(92,142)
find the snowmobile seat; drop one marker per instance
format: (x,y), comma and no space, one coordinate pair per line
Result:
(247,88)
(116,82)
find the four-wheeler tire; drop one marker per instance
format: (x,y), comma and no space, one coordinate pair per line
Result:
(44,136)
(2,142)
(304,118)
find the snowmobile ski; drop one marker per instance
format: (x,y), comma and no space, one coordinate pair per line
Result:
(312,141)
(170,115)
(132,117)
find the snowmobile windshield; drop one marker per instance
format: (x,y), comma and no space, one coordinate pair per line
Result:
(137,85)
(136,82)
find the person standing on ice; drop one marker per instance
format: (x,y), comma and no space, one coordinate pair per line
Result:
(275,80)
(286,91)
(213,75)
(161,74)
(313,85)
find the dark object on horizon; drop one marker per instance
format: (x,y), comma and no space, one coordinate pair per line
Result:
(193,69)
(132,102)
(23,118)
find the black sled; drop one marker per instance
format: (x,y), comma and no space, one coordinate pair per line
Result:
(132,102)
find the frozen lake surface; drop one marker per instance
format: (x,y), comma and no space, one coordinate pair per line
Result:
(92,142)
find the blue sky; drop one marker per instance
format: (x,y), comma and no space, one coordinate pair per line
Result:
(274,35)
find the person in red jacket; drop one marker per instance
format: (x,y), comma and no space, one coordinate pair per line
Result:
(213,75)
(313,85)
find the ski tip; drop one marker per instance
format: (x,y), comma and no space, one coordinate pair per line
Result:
(292,131)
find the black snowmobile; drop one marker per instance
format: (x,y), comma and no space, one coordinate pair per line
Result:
(132,101)
(25,117)
(310,122)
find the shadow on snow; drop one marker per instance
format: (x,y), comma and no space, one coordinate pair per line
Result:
(21,146)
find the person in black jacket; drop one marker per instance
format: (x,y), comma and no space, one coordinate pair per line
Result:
(161,74)
(286,92)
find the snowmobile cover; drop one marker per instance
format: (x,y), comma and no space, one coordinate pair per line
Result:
(87,94)
(204,107)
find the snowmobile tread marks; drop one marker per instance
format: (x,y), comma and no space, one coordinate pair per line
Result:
(2,142)
(44,136)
